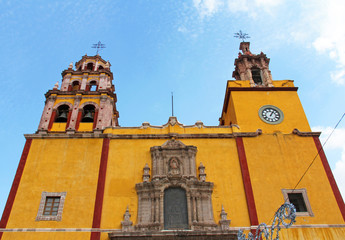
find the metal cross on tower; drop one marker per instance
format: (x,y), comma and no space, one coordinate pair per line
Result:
(98,46)
(241,35)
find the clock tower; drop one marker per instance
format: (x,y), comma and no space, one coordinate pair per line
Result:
(254,101)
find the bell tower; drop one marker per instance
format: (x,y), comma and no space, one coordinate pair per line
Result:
(252,67)
(254,101)
(86,101)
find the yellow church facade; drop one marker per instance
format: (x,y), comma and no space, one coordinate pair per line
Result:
(82,176)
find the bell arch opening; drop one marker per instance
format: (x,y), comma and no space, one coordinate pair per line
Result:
(256,75)
(62,114)
(88,113)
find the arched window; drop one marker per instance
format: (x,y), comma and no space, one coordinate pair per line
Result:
(89,66)
(100,67)
(93,86)
(88,113)
(256,75)
(75,86)
(62,114)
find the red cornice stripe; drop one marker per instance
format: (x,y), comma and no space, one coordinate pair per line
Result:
(246,182)
(330,177)
(265,89)
(97,214)
(15,185)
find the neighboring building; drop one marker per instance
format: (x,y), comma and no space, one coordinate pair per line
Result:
(82,176)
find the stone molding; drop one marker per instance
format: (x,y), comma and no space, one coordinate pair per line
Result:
(63,103)
(306,134)
(173,165)
(58,217)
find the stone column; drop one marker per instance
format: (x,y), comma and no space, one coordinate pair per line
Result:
(105,113)
(65,83)
(46,115)
(83,82)
(74,115)
(102,85)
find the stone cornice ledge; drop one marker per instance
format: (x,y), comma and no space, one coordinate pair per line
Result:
(142,136)
(306,134)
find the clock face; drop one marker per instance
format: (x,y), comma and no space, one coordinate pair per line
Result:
(271,114)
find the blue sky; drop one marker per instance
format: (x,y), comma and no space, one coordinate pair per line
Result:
(156,47)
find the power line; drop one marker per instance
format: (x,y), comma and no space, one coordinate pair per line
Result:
(312,162)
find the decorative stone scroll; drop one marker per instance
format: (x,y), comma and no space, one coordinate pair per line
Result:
(174,170)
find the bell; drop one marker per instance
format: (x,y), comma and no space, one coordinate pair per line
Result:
(88,117)
(62,117)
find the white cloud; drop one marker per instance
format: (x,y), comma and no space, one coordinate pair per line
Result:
(207,8)
(331,35)
(336,143)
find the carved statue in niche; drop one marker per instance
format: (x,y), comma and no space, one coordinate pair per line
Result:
(174,166)
(174,179)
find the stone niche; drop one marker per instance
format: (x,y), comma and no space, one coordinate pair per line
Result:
(174,199)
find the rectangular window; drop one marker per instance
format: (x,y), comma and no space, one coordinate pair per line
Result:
(51,206)
(299,198)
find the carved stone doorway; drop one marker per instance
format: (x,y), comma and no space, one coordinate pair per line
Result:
(175,209)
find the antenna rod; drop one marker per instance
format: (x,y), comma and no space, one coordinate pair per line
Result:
(172,104)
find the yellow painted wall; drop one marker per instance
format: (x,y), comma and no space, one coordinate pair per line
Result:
(312,233)
(277,161)
(125,167)
(58,165)
(246,106)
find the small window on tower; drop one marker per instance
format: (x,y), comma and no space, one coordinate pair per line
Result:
(51,206)
(100,68)
(256,75)
(93,86)
(75,86)
(89,66)
(299,198)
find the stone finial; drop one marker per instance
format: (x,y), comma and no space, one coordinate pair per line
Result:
(199,124)
(127,223)
(146,174)
(224,222)
(202,174)
(244,47)
(70,65)
(56,86)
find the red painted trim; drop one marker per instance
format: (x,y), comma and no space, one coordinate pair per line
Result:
(68,118)
(15,185)
(78,120)
(97,214)
(330,177)
(52,119)
(264,89)
(246,182)
(95,120)
(69,88)
(87,88)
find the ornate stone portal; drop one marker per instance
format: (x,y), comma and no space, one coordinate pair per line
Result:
(174,199)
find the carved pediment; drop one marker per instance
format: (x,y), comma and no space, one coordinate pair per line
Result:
(174,170)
